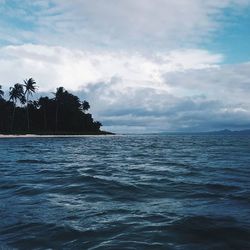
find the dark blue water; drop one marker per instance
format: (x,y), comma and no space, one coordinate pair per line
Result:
(125,192)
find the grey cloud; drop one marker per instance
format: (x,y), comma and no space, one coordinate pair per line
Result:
(167,113)
(228,82)
(114,24)
(125,96)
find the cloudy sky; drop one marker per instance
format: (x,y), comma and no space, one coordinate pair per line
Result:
(144,65)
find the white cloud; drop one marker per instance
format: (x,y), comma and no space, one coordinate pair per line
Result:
(186,89)
(164,23)
(228,82)
(77,68)
(143,25)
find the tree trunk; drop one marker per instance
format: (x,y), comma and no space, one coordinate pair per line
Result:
(45,120)
(13,117)
(2,123)
(27,109)
(57,107)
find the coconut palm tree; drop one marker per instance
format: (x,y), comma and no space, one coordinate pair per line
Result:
(30,88)
(1,92)
(16,93)
(85,106)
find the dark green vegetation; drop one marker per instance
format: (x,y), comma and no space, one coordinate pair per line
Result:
(62,114)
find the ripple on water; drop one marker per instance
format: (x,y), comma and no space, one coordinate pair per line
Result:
(125,192)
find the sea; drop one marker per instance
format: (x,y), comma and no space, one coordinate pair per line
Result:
(125,192)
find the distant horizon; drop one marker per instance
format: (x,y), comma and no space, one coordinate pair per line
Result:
(212,132)
(195,132)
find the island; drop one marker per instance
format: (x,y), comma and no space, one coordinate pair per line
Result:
(63,114)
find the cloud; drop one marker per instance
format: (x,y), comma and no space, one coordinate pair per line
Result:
(151,110)
(228,82)
(141,64)
(143,25)
(78,68)
(179,90)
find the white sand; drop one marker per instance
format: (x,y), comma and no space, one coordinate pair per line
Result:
(46,136)
(17,136)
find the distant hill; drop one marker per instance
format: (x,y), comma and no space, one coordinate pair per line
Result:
(219,132)
(231,132)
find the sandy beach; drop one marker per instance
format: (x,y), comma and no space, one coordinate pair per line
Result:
(2,136)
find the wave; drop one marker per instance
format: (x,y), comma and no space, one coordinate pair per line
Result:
(27,161)
(224,231)
(123,194)
(221,187)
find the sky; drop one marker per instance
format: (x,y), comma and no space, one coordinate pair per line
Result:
(144,65)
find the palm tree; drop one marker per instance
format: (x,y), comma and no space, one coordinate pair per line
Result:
(30,88)
(85,106)
(58,98)
(1,92)
(16,93)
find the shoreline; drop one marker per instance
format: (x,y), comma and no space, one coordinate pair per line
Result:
(103,133)
(51,136)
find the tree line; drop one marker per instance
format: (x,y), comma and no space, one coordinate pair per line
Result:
(62,114)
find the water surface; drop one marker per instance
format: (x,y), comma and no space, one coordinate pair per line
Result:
(125,192)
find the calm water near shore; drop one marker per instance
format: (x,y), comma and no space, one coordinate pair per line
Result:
(125,192)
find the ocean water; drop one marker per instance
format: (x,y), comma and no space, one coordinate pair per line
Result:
(125,192)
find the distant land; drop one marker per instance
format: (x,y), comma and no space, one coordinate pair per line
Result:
(217,132)
(229,132)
